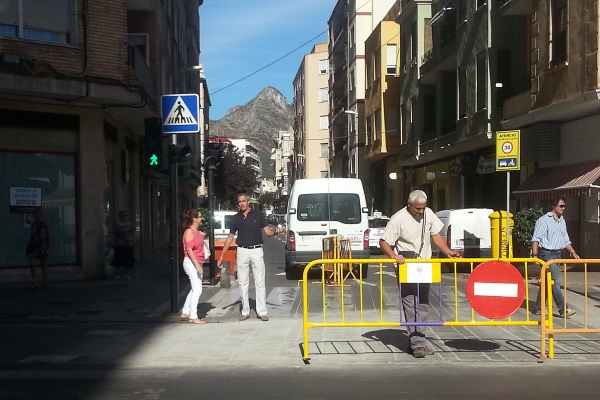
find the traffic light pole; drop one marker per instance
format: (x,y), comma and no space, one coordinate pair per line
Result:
(173,214)
(211,231)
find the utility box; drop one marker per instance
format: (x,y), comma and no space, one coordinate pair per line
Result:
(229,255)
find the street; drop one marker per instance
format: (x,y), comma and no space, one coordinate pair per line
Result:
(116,340)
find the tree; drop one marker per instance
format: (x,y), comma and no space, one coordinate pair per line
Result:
(266,199)
(233,177)
(525,223)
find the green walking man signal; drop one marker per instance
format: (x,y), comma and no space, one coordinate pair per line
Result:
(153,144)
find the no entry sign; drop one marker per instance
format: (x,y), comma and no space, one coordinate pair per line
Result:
(495,289)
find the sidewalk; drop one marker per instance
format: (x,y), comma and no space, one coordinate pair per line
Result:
(128,323)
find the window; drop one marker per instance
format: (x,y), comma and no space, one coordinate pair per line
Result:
(559,30)
(46,21)
(323,66)
(324,174)
(462,92)
(391,59)
(323,95)
(413,41)
(481,81)
(323,122)
(391,122)
(324,150)
(341,207)
(58,200)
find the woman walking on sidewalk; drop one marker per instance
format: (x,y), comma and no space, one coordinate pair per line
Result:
(193,245)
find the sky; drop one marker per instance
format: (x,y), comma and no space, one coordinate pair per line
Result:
(240,37)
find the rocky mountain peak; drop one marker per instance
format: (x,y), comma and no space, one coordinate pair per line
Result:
(259,121)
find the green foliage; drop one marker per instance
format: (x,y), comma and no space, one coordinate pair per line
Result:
(233,177)
(266,199)
(206,217)
(525,224)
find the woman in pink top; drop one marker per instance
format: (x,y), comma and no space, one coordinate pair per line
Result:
(193,245)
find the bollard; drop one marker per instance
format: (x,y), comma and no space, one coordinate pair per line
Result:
(225,277)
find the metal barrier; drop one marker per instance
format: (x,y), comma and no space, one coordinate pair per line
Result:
(386,316)
(548,328)
(336,249)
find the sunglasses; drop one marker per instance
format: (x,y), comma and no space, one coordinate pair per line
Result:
(561,205)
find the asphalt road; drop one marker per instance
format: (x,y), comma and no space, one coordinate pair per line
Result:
(432,382)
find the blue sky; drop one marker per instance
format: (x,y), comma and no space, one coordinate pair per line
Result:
(239,37)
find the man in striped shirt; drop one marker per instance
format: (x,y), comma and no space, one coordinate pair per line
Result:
(549,238)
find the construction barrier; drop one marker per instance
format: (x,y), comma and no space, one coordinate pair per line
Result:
(566,327)
(335,248)
(453,310)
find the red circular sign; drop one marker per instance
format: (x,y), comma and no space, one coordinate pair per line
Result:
(495,289)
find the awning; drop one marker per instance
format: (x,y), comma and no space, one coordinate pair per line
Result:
(575,180)
(61,197)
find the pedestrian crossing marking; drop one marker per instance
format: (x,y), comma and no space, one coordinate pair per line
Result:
(180,114)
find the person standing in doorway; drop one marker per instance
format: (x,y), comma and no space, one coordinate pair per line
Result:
(549,238)
(193,244)
(123,240)
(39,246)
(249,224)
(408,234)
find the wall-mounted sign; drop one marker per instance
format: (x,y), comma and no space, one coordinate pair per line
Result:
(23,200)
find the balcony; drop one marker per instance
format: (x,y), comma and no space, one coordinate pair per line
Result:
(439,60)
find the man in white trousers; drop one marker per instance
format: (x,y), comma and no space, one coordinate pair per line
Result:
(249,224)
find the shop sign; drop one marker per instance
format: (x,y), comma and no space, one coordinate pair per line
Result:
(24,200)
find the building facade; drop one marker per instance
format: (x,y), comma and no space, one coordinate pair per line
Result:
(311,109)
(351,22)
(77,81)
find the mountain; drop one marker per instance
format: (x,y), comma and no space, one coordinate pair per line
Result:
(258,121)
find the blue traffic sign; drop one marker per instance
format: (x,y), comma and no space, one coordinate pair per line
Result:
(180,113)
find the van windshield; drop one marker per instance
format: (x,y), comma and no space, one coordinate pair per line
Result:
(341,207)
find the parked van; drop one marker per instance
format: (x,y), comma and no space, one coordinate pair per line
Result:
(222,223)
(467,231)
(320,208)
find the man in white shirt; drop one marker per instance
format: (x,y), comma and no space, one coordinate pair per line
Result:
(407,235)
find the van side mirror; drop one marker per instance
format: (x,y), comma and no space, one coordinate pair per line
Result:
(365,210)
(292,211)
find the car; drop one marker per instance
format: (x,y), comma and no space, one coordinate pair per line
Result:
(377,225)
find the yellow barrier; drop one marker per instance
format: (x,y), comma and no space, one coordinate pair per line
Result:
(336,249)
(548,328)
(336,295)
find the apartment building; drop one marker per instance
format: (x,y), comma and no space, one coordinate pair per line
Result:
(77,80)
(310,158)
(351,22)
(557,113)
(282,163)
(382,141)
(459,62)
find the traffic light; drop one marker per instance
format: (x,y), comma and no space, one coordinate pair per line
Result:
(178,152)
(153,145)
(212,159)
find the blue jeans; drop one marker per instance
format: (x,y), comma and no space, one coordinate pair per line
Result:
(556,292)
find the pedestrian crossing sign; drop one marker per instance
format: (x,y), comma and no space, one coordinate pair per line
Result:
(180,113)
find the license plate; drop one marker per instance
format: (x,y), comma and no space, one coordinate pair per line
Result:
(310,238)
(468,242)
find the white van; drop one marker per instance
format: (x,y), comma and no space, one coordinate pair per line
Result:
(222,223)
(324,207)
(467,231)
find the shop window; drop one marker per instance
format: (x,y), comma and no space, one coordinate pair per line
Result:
(54,176)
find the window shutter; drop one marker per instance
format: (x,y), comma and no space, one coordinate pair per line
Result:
(47,15)
(9,12)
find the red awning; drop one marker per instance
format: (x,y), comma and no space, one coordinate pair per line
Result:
(575,180)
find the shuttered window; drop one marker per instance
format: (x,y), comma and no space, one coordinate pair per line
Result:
(43,20)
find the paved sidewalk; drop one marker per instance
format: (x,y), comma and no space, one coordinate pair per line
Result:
(128,323)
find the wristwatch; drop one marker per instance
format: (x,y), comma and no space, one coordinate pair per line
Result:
(534,255)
